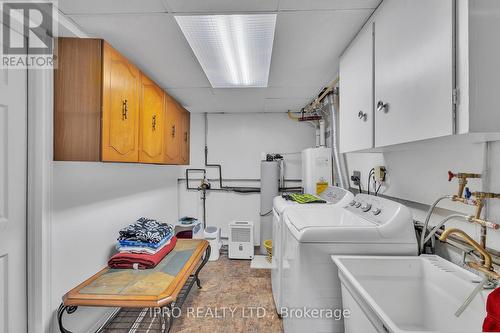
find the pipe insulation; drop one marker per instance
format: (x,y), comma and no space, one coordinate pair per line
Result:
(339,171)
(269,188)
(322,142)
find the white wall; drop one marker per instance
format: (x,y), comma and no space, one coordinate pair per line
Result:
(91,202)
(419,174)
(236,141)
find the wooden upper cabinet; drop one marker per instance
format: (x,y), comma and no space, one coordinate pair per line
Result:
(106,110)
(152,110)
(185,142)
(120,108)
(77,100)
(172,131)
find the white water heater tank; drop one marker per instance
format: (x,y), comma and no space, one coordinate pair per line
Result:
(316,169)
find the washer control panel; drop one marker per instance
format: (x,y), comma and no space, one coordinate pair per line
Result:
(333,194)
(375,209)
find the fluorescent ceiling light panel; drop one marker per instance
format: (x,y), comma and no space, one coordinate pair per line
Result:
(233,50)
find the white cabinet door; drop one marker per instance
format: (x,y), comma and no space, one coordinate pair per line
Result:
(13,164)
(356,93)
(414,75)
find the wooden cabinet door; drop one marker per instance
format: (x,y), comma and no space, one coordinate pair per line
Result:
(185,142)
(151,117)
(414,74)
(356,93)
(120,130)
(172,152)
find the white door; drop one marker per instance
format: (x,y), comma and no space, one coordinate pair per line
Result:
(414,76)
(13,151)
(356,93)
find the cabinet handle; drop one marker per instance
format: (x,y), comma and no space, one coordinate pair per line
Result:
(173,131)
(124,109)
(153,125)
(381,106)
(362,115)
(185,137)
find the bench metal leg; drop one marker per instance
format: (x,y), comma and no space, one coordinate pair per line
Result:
(166,323)
(69,310)
(203,263)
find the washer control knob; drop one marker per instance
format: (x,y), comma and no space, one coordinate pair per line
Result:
(357,205)
(366,207)
(376,211)
(352,203)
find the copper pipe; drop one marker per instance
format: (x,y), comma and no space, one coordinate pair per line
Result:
(473,243)
(462,180)
(485,223)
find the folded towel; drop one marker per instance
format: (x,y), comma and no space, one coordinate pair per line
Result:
(140,249)
(492,321)
(303,198)
(141,261)
(151,245)
(145,230)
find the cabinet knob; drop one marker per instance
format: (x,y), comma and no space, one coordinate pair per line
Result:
(124,109)
(185,137)
(173,131)
(381,106)
(362,115)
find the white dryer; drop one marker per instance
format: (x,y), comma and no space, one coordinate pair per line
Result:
(334,196)
(311,292)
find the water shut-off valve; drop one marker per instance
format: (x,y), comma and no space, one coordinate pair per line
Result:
(462,180)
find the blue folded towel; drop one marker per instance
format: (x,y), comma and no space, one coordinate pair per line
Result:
(145,230)
(124,242)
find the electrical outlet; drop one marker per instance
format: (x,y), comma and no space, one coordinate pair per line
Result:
(356,177)
(380,173)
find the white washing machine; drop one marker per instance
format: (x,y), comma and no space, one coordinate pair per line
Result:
(334,196)
(368,225)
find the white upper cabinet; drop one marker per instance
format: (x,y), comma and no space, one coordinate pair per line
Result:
(414,70)
(478,67)
(430,71)
(356,93)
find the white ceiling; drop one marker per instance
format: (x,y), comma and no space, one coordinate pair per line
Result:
(310,36)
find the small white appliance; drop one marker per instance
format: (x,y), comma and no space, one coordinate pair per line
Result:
(241,240)
(212,235)
(368,225)
(316,168)
(332,195)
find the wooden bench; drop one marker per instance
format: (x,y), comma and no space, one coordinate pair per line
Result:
(166,286)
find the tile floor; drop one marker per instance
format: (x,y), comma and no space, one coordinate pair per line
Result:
(233,285)
(229,287)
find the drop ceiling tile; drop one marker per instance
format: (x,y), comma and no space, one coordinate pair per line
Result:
(154,42)
(110,6)
(308,44)
(327,4)
(292,92)
(193,97)
(283,105)
(240,99)
(221,6)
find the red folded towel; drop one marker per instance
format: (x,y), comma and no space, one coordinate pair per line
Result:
(141,261)
(492,321)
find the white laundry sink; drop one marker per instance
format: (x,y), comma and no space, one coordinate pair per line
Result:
(408,294)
